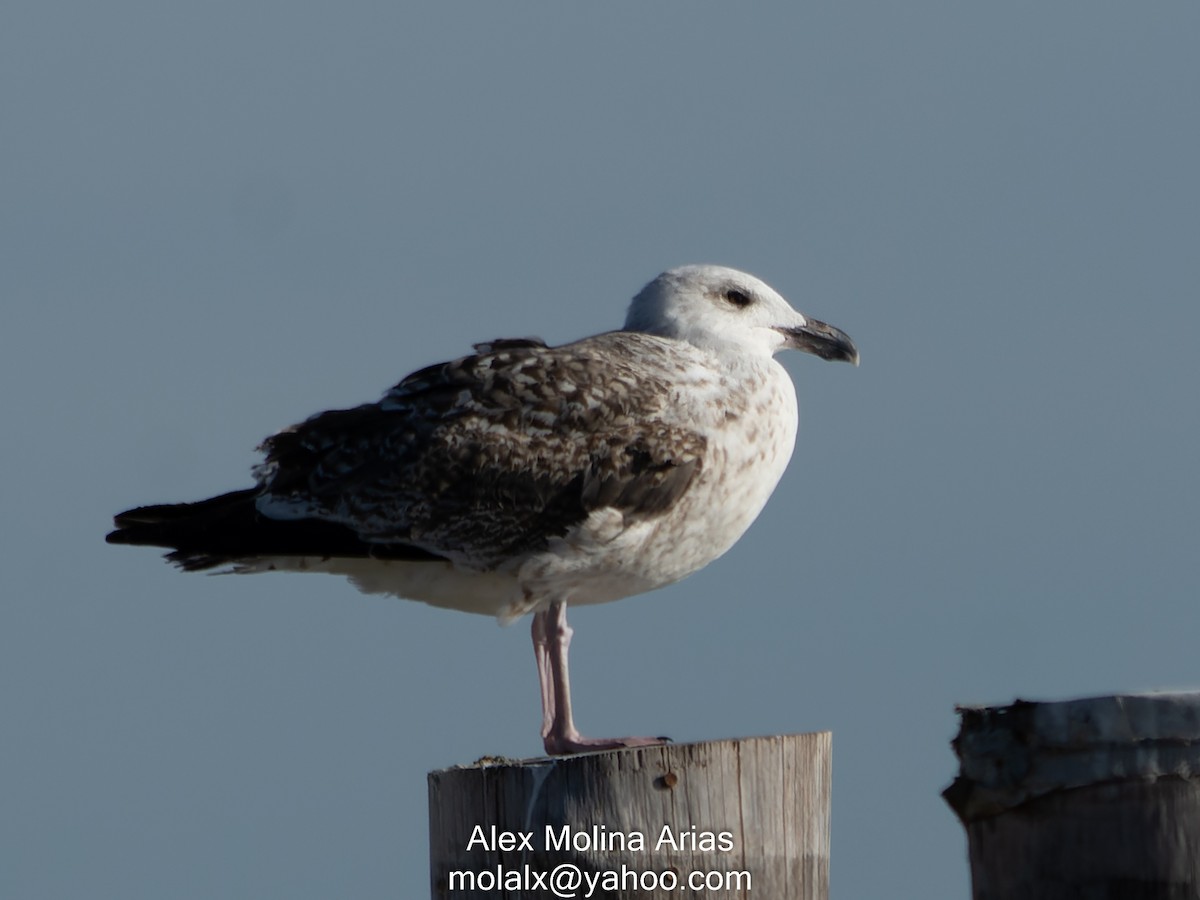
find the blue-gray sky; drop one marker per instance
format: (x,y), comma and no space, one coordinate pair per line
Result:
(218,218)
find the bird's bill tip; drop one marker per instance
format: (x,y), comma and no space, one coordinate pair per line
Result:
(822,340)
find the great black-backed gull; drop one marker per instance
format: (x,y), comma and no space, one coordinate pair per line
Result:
(524,478)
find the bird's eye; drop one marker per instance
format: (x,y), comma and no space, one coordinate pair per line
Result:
(740,299)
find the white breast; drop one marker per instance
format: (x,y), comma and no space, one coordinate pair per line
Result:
(749,416)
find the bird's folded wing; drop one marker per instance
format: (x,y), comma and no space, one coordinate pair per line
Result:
(488,457)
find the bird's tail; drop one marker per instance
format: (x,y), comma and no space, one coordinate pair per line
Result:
(201,535)
(229,529)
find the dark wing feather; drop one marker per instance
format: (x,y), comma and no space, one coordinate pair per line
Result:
(227,528)
(486,457)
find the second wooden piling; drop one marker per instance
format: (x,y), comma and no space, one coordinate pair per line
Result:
(1096,798)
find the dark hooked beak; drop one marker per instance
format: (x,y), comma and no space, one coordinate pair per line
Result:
(821,340)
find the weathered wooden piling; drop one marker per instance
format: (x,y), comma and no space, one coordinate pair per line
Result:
(1096,798)
(736,818)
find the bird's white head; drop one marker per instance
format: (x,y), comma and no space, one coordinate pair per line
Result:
(719,308)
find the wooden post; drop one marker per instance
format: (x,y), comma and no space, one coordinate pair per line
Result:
(737,818)
(1095,798)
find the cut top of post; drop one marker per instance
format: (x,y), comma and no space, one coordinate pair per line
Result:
(1012,754)
(751,814)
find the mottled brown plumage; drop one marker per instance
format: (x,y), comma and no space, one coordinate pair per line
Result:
(483,459)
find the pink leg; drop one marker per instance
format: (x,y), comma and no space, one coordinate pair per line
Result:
(541,651)
(551,638)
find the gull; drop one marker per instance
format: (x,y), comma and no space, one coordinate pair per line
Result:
(525,478)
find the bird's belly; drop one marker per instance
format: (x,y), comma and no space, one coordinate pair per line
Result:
(435,582)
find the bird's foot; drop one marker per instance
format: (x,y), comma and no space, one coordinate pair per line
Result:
(574,742)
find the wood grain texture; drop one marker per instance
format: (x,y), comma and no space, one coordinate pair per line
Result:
(1096,798)
(758,806)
